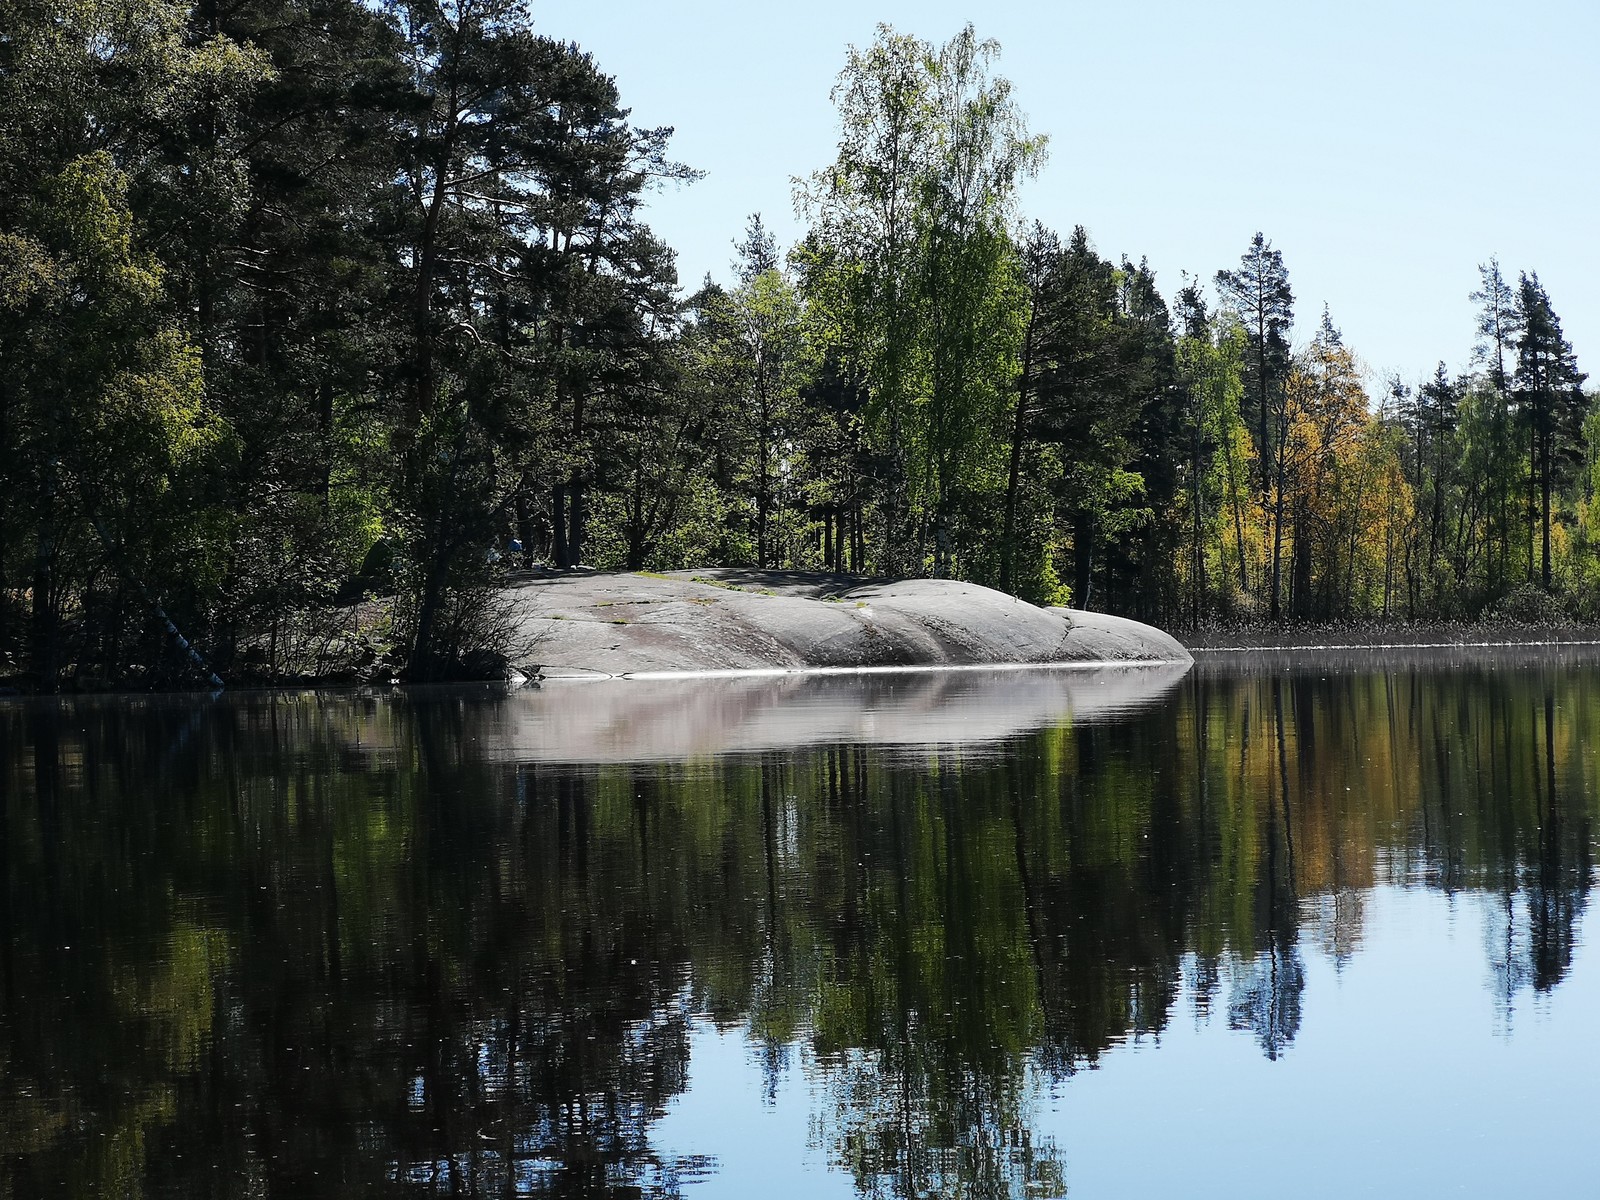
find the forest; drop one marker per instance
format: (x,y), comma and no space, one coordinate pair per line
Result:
(312,310)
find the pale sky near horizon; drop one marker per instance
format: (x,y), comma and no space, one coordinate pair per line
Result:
(1385,148)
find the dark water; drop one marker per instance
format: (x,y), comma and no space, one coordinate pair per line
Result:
(1304,928)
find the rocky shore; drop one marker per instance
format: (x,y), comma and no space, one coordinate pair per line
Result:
(734,620)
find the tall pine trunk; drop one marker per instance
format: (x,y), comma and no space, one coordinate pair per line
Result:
(1545,487)
(1082,558)
(558,527)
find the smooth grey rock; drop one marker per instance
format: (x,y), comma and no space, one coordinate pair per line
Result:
(734,620)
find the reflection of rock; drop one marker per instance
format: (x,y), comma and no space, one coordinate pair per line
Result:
(738,620)
(655,719)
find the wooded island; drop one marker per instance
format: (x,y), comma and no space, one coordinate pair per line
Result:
(317,317)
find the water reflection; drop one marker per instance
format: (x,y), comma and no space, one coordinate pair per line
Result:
(655,720)
(332,945)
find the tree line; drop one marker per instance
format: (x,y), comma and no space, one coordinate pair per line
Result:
(310,300)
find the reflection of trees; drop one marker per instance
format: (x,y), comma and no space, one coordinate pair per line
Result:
(320,946)
(1558,885)
(1471,780)
(1268,983)
(1266,997)
(903,1130)
(1544,881)
(301,977)
(926,1012)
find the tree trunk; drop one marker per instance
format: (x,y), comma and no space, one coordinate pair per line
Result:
(764,472)
(1238,515)
(636,521)
(1301,598)
(1533,500)
(325,429)
(1438,514)
(894,531)
(1263,425)
(575,522)
(1008,532)
(428,266)
(423,663)
(45,628)
(1276,606)
(524,511)
(1082,558)
(761,516)
(558,526)
(1545,485)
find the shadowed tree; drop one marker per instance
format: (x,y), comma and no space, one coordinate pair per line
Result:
(106,436)
(537,299)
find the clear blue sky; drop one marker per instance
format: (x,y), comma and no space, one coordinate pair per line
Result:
(1386,148)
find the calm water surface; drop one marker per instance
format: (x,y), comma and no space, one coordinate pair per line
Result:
(1283,926)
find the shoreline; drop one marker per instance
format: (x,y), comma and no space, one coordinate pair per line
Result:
(835,672)
(1389,635)
(736,623)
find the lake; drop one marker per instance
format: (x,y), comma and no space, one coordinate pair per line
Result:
(1310,924)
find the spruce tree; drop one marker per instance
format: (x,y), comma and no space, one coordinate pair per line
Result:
(1550,390)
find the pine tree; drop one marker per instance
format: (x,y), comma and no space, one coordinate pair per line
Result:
(1259,293)
(537,300)
(1497,330)
(1438,403)
(1550,389)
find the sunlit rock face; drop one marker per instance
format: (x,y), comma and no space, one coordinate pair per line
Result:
(745,620)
